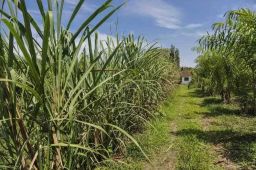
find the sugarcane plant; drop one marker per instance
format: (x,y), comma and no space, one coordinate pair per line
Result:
(67,99)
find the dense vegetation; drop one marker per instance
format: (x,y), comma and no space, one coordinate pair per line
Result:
(227,61)
(68,100)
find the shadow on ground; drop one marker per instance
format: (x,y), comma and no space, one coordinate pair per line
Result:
(194,93)
(197,93)
(219,111)
(237,147)
(211,101)
(214,105)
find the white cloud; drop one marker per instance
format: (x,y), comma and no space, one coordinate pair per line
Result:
(164,14)
(194,34)
(190,26)
(85,7)
(102,37)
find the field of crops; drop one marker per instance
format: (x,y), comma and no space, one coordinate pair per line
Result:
(71,99)
(67,99)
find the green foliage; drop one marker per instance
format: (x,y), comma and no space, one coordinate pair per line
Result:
(172,54)
(175,55)
(226,64)
(66,101)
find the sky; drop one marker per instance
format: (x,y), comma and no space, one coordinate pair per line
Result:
(177,22)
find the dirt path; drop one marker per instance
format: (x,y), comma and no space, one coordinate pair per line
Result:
(200,137)
(167,159)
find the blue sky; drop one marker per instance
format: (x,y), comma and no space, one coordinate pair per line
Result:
(177,22)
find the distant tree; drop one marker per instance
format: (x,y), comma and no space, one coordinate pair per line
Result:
(175,55)
(172,54)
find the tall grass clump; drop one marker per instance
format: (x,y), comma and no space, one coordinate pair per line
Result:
(67,99)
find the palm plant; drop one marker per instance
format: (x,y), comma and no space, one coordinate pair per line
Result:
(234,40)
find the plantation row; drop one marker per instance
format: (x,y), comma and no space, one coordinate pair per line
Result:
(67,99)
(227,61)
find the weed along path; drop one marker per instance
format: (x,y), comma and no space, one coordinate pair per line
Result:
(198,133)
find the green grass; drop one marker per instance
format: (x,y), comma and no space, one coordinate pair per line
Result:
(201,132)
(193,153)
(213,135)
